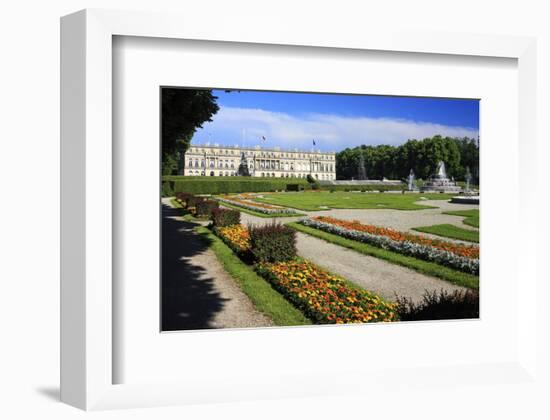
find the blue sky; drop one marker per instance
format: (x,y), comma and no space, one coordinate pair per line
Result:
(293,120)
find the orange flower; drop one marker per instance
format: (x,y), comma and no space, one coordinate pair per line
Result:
(469,251)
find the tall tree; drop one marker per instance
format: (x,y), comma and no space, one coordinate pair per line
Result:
(183,111)
(422,156)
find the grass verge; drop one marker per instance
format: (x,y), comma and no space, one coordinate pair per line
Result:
(425,267)
(471,216)
(263,296)
(450,231)
(258,214)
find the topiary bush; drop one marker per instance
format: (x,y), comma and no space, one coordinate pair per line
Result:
(193,201)
(294,187)
(440,305)
(204,208)
(315,185)
(225,217)
(272,243)
(167,189)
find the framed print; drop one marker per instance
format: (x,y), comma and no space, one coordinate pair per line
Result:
(317,184)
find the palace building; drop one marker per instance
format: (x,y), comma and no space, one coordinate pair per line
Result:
(216,160)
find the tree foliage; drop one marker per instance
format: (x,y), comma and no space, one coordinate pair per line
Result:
(422,156)
(183,111)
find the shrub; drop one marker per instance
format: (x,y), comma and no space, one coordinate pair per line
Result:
(193,201)
(167,189)
(225,217)
(273,242)
(182,197)
(332,190)
(294,187)
(204,208)
(440,305)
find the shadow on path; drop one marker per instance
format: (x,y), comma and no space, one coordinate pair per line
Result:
(189,298)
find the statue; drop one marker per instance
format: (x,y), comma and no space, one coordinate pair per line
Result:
(441,173)
(411,181)
(243,167)
(468,179)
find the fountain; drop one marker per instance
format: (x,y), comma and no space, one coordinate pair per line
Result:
(361,171)
(469,196)
(440,182)
(411,184)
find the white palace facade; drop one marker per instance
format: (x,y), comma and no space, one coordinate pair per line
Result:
(216,160)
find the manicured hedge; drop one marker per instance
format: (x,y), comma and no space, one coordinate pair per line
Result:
(295,187)
(167,189)
(225,185)
(205,208)
(193,201)
(225,217)
(273,242)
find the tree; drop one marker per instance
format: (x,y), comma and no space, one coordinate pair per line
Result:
(422,156)
(183,111)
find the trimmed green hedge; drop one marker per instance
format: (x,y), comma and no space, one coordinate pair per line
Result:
(225,185)
(295,187)
(238,184)
(225,217)
(272,243)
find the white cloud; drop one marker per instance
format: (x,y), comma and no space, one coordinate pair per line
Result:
(330,131)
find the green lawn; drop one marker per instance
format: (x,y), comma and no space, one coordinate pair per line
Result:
(263,296)
(471,216)
(258,214)
(450,231)
(425,267)
(312,201)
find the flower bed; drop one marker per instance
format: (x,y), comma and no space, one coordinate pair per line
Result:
(460,257)
(236,237)
(324,297)
(254,206)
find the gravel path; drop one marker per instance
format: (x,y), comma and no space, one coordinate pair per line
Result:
(197,292)
(403,220)
(373,274)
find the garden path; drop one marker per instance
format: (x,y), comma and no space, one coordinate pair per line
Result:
(371,273)
(197,292)
(403,220)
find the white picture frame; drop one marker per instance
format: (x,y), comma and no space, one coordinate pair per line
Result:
(86,130)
